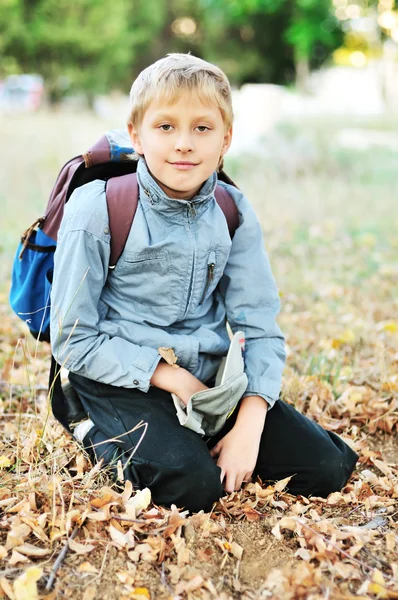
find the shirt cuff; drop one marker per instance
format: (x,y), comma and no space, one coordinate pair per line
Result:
(263,387)
(144,366)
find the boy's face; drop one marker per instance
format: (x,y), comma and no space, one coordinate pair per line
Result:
(182,143)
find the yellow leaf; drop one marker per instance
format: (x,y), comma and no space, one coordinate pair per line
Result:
(25,587)
(346,337)
(391,326)
(4,462)
(378,585)
(140,593)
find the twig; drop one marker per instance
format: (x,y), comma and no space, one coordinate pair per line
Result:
(163,577)
(20,415)
(59,560)
(128,520)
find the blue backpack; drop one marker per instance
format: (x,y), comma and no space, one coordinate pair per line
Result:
(33,265)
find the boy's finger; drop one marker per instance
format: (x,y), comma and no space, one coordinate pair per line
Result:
(215,451)
(222,474)
(229,483)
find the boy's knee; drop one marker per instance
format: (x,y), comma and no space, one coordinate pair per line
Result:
(192,486)
(333,472)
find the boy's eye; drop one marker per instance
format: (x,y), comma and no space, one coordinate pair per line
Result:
(202,128)
(165,127)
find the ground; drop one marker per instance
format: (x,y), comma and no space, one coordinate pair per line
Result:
(329,221)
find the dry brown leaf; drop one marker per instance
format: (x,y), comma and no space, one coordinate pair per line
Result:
(236,550)
(80,548)
(16,558)
(276,531)
(190,586)
(103,500)
(390,541)
(303,553)
(175,521)
(120,539)
(87,567)
(3,552)
(5,586)
(31,550)
(282,483)
(335,498)
(90,593)
(17,535)
(169,356)
(251,513)
(288,523)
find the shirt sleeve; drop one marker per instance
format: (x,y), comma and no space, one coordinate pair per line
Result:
(252,304)
(81,265)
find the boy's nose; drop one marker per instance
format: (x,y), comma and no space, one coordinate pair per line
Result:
(184,143)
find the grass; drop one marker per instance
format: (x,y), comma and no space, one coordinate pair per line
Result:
(330,226)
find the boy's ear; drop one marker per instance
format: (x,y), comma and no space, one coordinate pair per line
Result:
(135,138)
(227,141)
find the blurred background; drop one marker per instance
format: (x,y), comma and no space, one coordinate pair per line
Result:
(315,91)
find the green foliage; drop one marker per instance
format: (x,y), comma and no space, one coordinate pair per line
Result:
(87,42)
(96,46)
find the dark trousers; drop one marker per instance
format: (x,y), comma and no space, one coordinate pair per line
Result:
(175,463)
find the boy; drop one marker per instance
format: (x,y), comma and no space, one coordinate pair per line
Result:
(177,283)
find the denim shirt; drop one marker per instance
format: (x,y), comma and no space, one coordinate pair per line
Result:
(178,282)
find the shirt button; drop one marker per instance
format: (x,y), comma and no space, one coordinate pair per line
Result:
(106,230)
(136,382)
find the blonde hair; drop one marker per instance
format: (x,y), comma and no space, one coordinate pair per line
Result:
(174,74)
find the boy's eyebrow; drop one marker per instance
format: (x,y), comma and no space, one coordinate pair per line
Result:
(165,115)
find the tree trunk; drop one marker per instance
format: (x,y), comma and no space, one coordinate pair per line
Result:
(302,67)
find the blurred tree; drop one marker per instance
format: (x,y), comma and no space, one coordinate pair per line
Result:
(283,37)
(96,46)
(83,44)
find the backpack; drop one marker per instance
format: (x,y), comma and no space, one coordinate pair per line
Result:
(108,159)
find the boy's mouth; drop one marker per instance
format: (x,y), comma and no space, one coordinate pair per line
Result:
(183,165)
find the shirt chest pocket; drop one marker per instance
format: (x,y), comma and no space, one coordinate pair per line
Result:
(214,265)
(147,278)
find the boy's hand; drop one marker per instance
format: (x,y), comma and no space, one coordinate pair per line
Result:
(237,454)
(176,381)
(237,451)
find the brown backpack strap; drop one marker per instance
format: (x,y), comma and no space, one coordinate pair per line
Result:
(122,201)
(228,206)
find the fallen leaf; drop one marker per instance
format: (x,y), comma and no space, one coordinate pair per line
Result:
(16,558)
(169,356)
(139,593)
(236,550)
(25,587)
(190,586)
(87,567)
(6,588)
(90,593)
(31,550)
(281,484)
(80,548)
(140,501)
(378,585)
(4,462)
